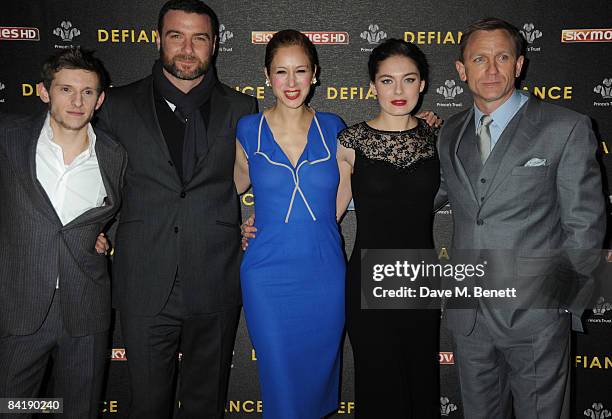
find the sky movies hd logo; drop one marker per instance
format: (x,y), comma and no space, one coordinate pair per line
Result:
(15,33)
(316,37)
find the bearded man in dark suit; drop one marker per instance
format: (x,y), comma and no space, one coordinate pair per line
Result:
(177,253)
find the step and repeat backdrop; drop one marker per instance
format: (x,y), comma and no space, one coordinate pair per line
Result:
(569,63)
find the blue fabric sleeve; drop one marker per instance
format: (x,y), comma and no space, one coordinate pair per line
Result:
(242,131)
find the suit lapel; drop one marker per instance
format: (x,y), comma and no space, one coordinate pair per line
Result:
(460,169)
(516,138)
(144,102)
(219,118)
(24,144)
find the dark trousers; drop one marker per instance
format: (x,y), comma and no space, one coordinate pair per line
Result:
(77,365)
(206,342)
(396,356)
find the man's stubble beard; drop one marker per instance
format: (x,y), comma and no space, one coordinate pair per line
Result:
(59,120)
(169,64)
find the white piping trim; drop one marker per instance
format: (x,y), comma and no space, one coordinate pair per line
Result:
(259,133)
(324,143)
(294,173)
(297,186)
(290,205)
(277,164)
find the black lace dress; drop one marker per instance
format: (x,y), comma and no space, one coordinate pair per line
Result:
(395,179)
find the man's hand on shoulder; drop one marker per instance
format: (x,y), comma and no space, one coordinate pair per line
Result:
(431,118)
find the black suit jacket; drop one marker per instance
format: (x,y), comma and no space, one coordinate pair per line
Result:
(35,248)
(167,227)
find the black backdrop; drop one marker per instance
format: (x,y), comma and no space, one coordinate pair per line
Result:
(577,75)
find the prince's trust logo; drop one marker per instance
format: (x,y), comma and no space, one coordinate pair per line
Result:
(597,411)
(599,312)
(446,407)
(66,32)
(449,90)
(530,33)
(605,90)
(601,307)
(224,36)
(373,36)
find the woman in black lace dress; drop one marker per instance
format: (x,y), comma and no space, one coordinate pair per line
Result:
(395,176)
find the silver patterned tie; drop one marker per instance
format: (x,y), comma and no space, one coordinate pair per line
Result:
(484,138)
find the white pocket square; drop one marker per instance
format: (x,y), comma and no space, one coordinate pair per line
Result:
(535,162)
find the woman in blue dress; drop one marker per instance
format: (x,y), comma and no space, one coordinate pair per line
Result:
(293,274)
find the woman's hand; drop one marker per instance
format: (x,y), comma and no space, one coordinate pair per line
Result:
(247,229)
(102,245)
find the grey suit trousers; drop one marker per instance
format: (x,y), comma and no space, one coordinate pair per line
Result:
(534,366)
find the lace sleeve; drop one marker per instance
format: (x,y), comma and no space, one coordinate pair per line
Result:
(348,138)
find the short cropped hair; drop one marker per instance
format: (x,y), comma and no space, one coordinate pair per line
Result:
(74,58)
(491,24)
(188,6)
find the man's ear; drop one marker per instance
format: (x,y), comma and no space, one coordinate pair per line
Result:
(100,100)
(461,70)
(43,93)
(519,66)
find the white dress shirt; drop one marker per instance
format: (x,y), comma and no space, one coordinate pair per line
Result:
(74,188)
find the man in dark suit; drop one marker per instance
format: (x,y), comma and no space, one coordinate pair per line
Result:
(525,188)
(177,254)
(60,183)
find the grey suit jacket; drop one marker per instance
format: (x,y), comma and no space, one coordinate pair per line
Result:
(167,227)
(526,214)
(35,248)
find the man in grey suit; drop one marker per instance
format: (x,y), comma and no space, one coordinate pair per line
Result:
(177,254)
(60,183)
(523,182)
